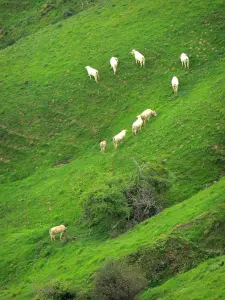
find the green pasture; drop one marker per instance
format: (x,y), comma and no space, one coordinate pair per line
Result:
(52,118)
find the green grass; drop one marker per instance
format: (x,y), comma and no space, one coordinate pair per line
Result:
(203,282)
(39,131)
(21,19)
(41,260)
(53,117)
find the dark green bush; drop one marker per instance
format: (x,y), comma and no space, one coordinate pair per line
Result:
(108,203)
(68,12)
(118,281)
(55,291)
(167,258)
(11,42)
(118,207)
(47,7)
(145,194)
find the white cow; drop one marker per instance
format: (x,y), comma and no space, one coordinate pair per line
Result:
(57,229)
(184,60)
(114,63)
(103,145)
(119,137)
(140,59)
(136,126)
(146,114)
(93,72)
(175,84)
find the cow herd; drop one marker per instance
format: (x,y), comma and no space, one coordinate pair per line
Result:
(136,126)
(145,115)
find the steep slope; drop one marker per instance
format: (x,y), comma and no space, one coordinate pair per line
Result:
(52,113)
(39,261)
(198,283)
(23,18)
(53,117)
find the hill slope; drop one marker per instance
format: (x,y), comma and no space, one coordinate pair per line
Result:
(53,117)
(39,260)
(198,283)
(21,19)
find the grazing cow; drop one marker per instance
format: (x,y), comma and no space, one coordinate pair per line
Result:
(136,126)
(146,114)
(119,137)
(175,84)
(114,63)
(184,60)
(140,59)
(93,72)
(103,145)
(57,229)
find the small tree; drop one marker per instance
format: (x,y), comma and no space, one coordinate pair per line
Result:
(107,205)
(118,281)
(144,195)
(117,206)
(55,291)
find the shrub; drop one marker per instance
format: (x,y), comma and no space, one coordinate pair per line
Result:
(144,195)
(67,12)
(47,7)
(117,207)
(55,291)
(11,42)
(107,205)
(167,258)
(116,281)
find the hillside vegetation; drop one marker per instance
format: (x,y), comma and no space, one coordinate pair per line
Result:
(198,283)
(25,17)
(53,118)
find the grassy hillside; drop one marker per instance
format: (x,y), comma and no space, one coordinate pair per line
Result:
(53,117)
(54,113)
(40,260)
(20,19)
(198,283)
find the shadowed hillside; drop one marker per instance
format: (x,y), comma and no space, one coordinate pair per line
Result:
(23,18)
(198,283)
